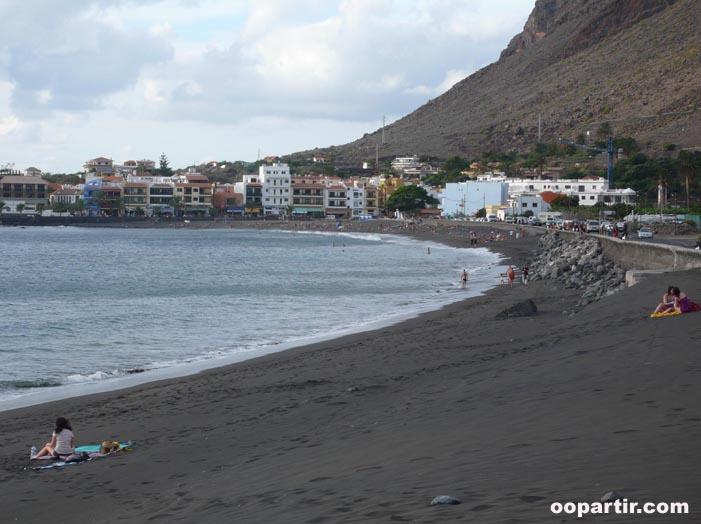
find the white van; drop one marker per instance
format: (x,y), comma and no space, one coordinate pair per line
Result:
(491,218)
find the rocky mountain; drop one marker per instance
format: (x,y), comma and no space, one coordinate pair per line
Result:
(635,64)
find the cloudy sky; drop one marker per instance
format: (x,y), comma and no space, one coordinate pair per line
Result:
(227,79)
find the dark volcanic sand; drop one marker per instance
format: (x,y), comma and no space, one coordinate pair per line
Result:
(506,415)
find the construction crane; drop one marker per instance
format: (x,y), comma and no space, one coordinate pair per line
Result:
(609,149)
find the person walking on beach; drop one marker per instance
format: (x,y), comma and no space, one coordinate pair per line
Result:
(512,275)
(463,279)
(62,441)
(524,275)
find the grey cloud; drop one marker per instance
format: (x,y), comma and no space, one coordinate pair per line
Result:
(76,59)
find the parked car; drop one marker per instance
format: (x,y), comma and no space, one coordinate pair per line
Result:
(645,232)
(535,221)
(509,219)
(592,226)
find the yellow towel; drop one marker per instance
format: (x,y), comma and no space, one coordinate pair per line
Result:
(665,314)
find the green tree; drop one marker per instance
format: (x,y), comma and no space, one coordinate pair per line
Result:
(564,202)
(410,199)
(2,206)
(78,207)
(164,166)
(604,131)
(20,208)
(59,207)
(177,204)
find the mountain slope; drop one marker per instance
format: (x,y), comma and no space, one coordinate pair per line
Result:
(577,63)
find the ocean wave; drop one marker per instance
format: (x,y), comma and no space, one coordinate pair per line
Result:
(29,384)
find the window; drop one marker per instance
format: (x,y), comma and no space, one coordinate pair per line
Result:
(535,204)
(525,204)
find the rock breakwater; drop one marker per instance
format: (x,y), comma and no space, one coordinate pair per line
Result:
(577,263)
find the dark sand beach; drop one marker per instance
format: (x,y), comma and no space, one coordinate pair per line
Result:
(507,415)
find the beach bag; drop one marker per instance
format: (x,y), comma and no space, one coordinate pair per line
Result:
(78,457)
(109,447)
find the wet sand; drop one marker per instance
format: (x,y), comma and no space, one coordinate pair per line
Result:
(507,415)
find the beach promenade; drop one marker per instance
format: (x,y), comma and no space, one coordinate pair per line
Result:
(508,415)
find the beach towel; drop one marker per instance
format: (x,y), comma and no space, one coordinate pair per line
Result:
(86,454)
(665,314)
(689,308)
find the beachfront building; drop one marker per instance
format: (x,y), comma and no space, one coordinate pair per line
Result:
(136,197)
(336,200)
(372,190)
(28,192)
(160,198)
(308,196)
(355,200)
(276,184)
(519,203)
(252,191)
(466,198)
(67,196)
(589,190)
(103,195)
(192,192)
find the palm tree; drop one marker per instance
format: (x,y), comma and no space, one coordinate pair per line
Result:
(20,208)
(2,206)
(177,204)
(78,207)
(688,168)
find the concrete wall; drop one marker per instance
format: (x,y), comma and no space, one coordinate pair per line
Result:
(633,254)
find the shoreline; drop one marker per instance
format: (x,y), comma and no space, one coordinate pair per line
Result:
(507,415)
(137,379)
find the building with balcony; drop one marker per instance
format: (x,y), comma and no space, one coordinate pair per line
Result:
(160,199)
(337,201)
(308,196)
(276,185)
(227,200)
(28,191)
(98,167)
(136,197)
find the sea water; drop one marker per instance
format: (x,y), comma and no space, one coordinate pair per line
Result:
(87,309)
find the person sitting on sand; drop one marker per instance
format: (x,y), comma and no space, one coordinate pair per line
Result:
(62,441)
(674,300)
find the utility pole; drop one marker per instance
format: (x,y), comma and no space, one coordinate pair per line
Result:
(383,129)
(377,158)
(540,125)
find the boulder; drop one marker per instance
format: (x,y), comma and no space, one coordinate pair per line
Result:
(445,499)
(525,308)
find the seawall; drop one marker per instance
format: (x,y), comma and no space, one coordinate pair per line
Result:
(633,254)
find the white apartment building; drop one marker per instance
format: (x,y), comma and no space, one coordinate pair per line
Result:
(355,200)
(590,190)
(401,163)
(276,184)
(519,203)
